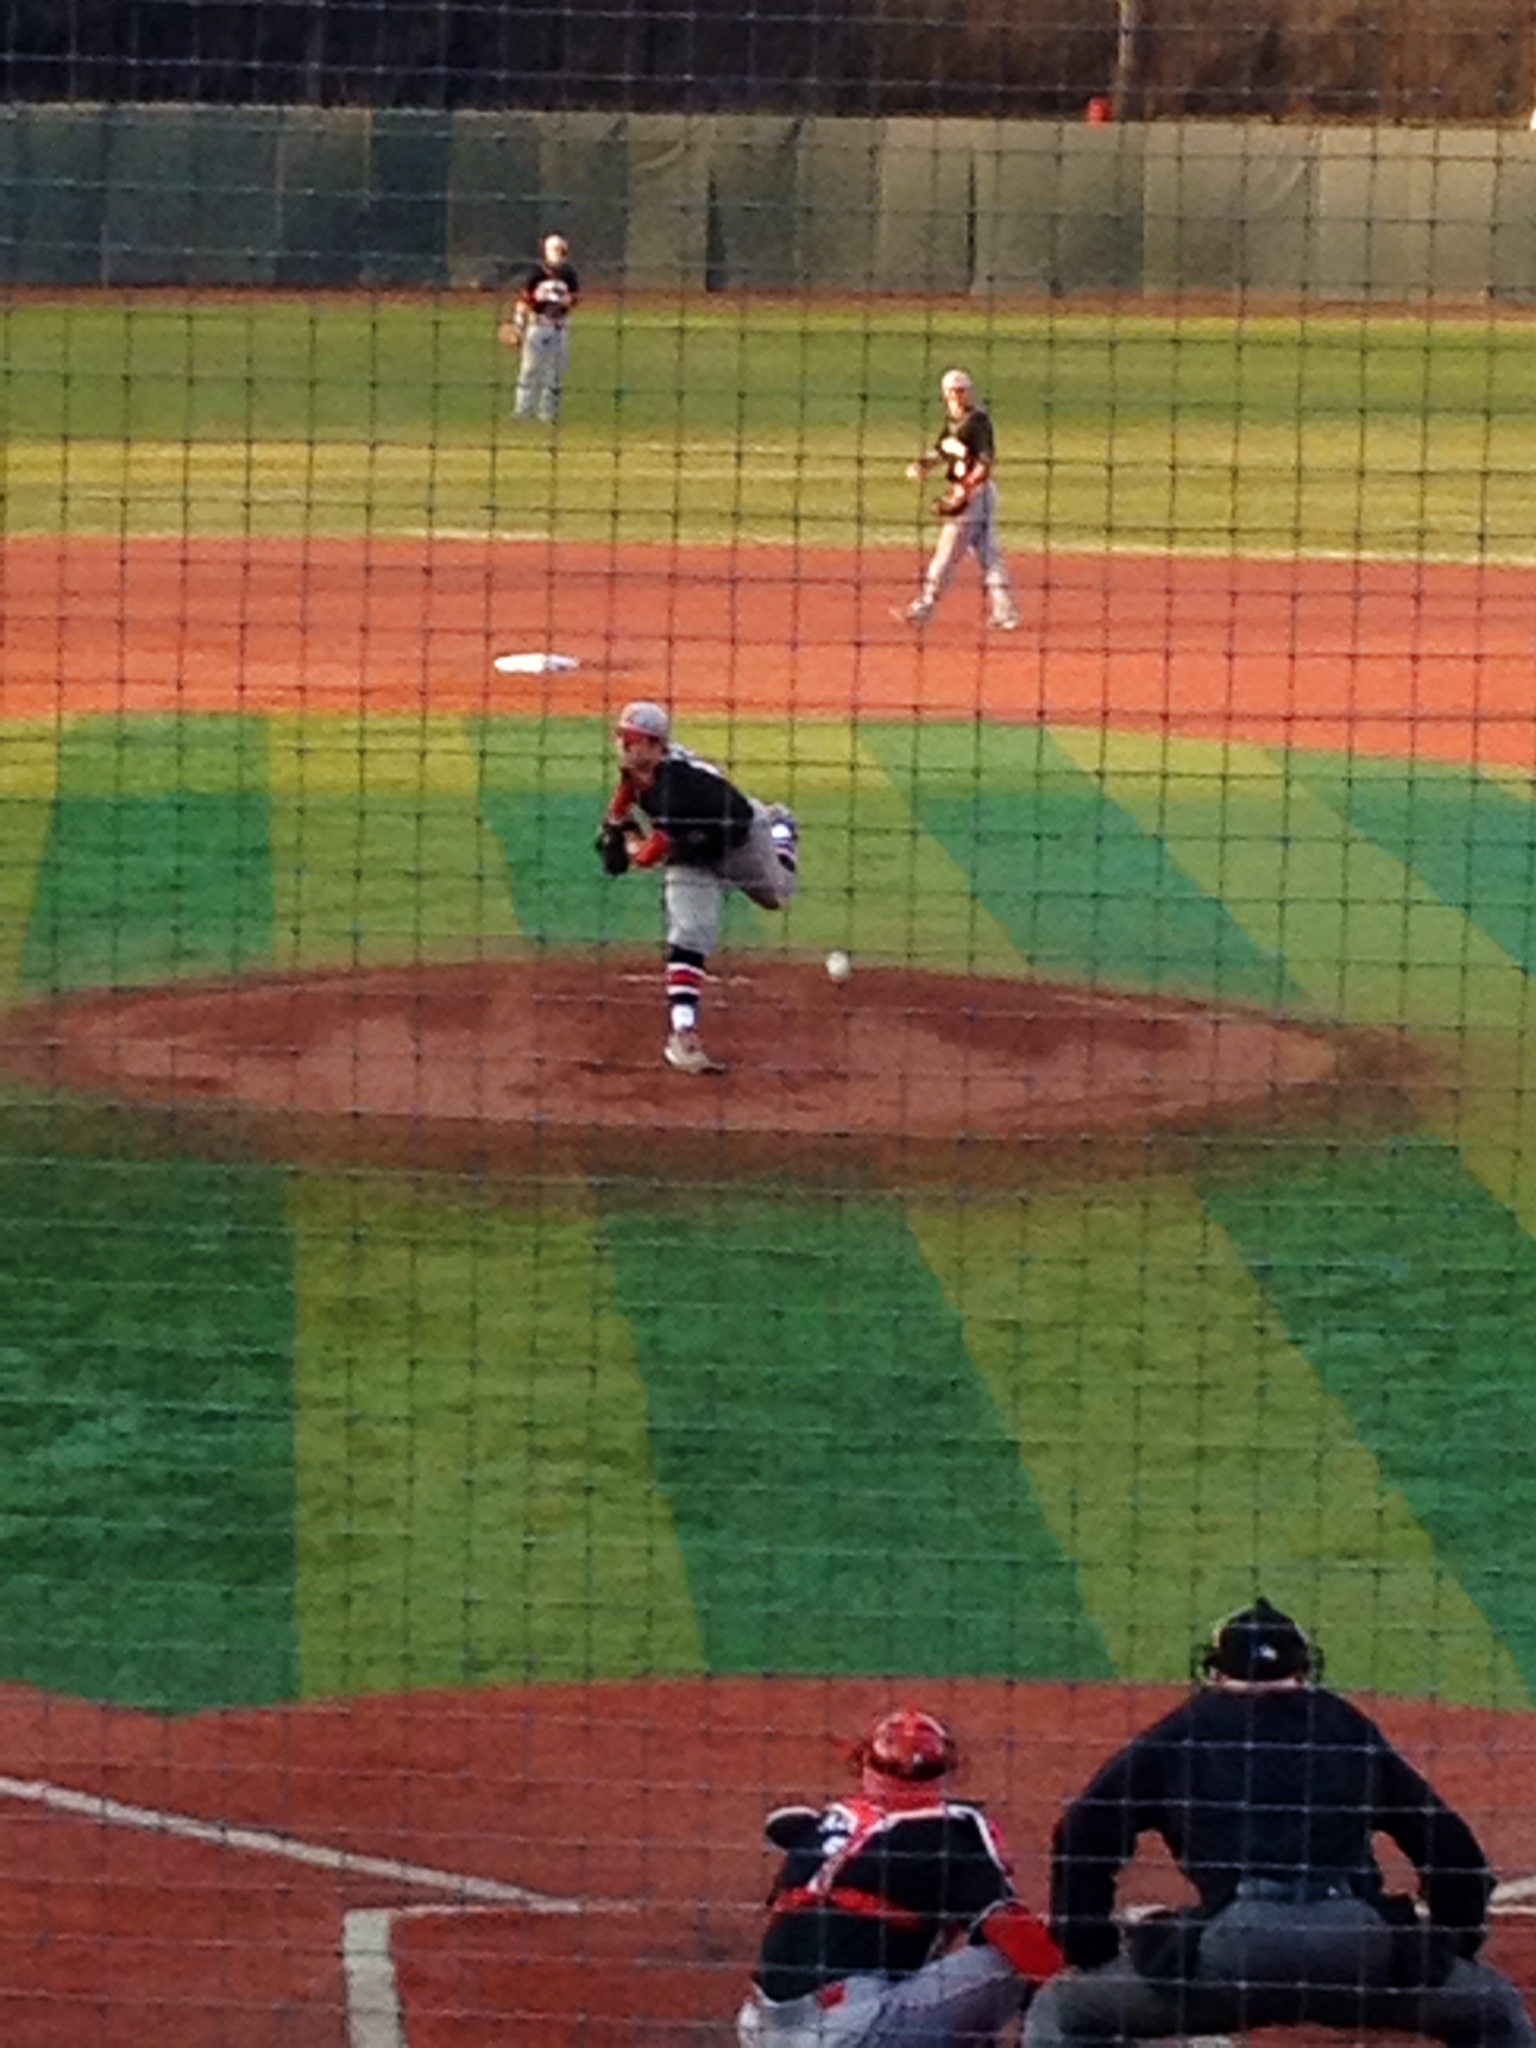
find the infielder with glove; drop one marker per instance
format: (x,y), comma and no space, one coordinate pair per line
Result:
(1268,1789)
(892,1921)
(965,451)
(539,328)
(675,811)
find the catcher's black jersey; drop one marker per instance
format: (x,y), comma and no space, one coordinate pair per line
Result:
(871,1890)
(704,815)
(550,290)
(962,447)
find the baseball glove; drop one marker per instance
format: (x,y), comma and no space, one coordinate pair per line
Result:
(510,333)
(613,849)
(953,500)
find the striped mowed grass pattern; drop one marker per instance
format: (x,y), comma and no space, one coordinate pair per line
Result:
(1045,1434)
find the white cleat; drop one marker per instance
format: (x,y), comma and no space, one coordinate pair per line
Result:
(1005,622)
(684,1050)
(916,614)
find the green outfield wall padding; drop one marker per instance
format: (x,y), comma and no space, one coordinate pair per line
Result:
(61,202)
(323,172)
(191,196)
(1227,207)
(586,181)
(925,229)
(668,202)
(846,1495)
(1512,232)
(146,1432)
(1058,209)
(1412,1292)
(347,196)
(407,232)
(754,240)
(1404,215)
(838,173)
(496,205)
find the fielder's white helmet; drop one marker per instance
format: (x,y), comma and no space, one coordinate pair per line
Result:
(956,380)
(643,720)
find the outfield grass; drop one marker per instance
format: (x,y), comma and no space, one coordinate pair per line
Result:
(1391,436)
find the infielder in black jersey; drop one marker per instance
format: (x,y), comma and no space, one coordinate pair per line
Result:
(892,1920)
(966,451)
(674,810)
(539,327)
(1268,1789)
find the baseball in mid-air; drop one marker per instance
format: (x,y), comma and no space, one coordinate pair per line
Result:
(839,966)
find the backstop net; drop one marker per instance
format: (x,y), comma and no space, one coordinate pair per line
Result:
(767,836)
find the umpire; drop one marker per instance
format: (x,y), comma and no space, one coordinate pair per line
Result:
(1267,1789)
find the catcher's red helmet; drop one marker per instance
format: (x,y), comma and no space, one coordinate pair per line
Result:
(908,1743)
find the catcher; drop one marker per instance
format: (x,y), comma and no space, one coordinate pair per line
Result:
(673,810)
(967,508)
(892,1922)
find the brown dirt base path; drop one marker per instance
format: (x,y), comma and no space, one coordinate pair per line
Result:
(189,1881)
(553,1062)
(1429,659)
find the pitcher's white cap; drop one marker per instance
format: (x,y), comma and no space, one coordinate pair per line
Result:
(646,720)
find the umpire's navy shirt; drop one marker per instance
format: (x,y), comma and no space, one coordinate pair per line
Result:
(1277,1783)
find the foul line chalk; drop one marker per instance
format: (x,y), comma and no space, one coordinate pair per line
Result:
(185,1827)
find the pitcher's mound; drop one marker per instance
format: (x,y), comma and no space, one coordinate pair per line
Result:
(553,1062)
(556,1063)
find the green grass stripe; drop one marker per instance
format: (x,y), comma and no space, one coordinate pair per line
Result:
(378,846)
(1083,890)
(158,862)
(146,1432)
(872,880)
(1363,937)
(1182,1448)
(29,776)
(1472,841)
(543,788)
(846,1495)
(476,1499)
(1413,1294)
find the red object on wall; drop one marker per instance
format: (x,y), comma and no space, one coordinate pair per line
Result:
(1098,113)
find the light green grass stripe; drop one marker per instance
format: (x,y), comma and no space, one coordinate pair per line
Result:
(1362,936)
(1183,1451)
(872,880)
(29,781)
(476,1497)
(378,848)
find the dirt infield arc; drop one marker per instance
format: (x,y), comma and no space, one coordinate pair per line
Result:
(640,1803)
(1437,660)
(553,1062)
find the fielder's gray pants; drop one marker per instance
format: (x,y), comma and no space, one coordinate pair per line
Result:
(1264,1963)
(541,370)
(962,2000)
(974,532)
(695,896)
